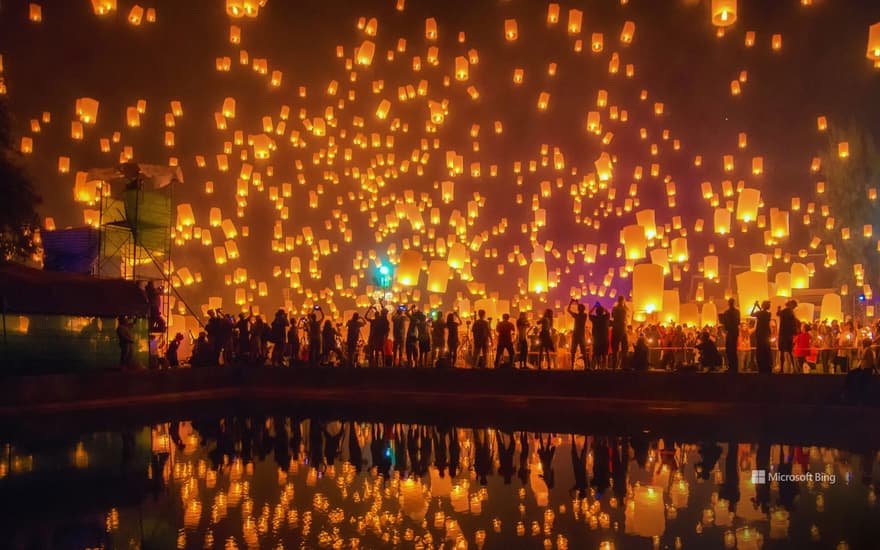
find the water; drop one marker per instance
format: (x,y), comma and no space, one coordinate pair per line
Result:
(298,482)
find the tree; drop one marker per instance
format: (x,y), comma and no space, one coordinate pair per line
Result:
(18,199)
(848,182)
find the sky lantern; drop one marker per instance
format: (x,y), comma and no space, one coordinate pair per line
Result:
(843,149)
(660,256)
(575,18)
(710,267)
(633,238)
(800,275)
(776,42)
(408,269)
(831,308)
(136,15)
(758,262)
(628,32)
(723,13)
(543,101)
(35,12)
(510,30)
(722,221)
(679,250)
(757,166)
(873,52)
(671,305)
(457,255)
(431,29)
(597,42)
(779,223)
(751,287)
(604,168)
(383,109)
(552,13)
(783,284)
(365,53)
(103,7)
(461,68)
(538,277)
(645,218)
(438,276)
(747,204)
(647,288)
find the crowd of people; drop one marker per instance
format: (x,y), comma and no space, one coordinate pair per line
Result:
(594,338)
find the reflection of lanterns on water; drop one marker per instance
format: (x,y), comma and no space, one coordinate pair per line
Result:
(679,493)
(645,515)
(748,539)
(779,523)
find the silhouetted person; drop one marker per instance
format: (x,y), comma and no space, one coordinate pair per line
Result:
(601,466)
(316,317)
(522,338)
(504,329)
(244,337)
(600,319)
(524,469)
(579,332)
(731,320)
(453,321)
(619,345)
(710,452)
(730,488)
(352,336)
(761,313)
(171,352)
(545,338)
(480,332)
(278,336)
(640,354)
(788,327)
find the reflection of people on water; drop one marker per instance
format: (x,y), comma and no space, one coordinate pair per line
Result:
(545,454)
(355,450)
(729,489)
(505,455)
(482,455)
(788,492)
(710,452)
(579,467)
(380,451)
(524,469)
(440,448)
(601,466)
(281,443)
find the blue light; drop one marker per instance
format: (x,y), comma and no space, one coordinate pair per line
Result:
(861,297)
(383,270)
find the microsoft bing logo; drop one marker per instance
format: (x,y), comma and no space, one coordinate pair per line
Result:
(759,477)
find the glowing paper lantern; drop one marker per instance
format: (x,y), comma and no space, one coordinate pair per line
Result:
(874,42)
(648,513)
(679,252)
(575,18)
(758,262)
(688,314)
(710,267)
(723,13)
(800,275)
(438,276)
(538,277)
(510,30)
(783,284)
(645,218)
(633,237)
(647,288)
(751,287)
(747,204)
(722,221)
(604,168)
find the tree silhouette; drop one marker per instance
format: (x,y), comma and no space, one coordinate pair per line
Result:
(18,199)
(848,185)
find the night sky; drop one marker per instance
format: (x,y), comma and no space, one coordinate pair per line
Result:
(821,69)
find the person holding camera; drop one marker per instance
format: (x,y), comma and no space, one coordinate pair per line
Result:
(601,319)
(579,332)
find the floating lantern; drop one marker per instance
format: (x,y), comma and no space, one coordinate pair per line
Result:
(758,262)
(575,18)
(751,287)
(629,30)
(538,277)
(831,308)
(722,221)
(633,238)
(723,13)
(800,275)
(843,149)
(647,288)
(874,42)
(510,30)
(438,276)
(747,204)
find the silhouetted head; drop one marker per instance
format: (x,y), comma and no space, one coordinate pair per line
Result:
(621,300)
(481,314)
(731,302)
(506,316)
(355,316)
(548,313)
(765,305)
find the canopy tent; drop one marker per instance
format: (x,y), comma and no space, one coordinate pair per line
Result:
(25,290)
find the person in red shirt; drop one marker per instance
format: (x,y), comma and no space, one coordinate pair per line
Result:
(505,330)
(802,346)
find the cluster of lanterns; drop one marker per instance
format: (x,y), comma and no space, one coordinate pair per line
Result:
(359,173)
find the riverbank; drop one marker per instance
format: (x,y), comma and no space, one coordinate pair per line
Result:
(788,404)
